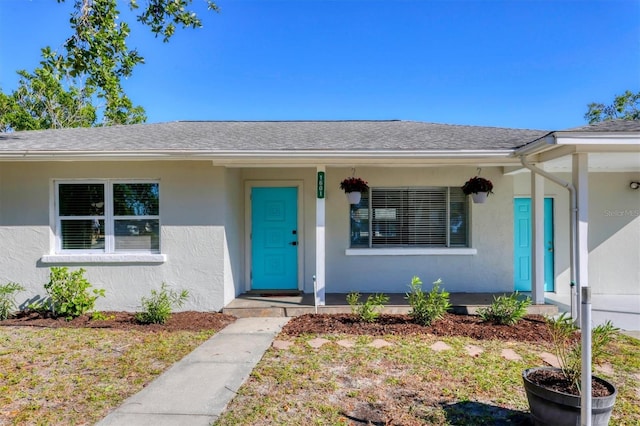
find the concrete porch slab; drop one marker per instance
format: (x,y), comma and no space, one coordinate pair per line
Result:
(253,305)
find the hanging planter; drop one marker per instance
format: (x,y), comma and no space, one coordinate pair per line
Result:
(479,197)
(354,187)
(479,189)
(354,197)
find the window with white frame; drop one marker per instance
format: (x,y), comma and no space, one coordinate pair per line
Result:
(107,216)
(411,217)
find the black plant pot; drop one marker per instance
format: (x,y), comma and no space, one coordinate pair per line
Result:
(549,407)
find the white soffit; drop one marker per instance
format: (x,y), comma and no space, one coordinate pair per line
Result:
(603,162)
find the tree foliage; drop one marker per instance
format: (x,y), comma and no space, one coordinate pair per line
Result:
(625,107)
(45,99)
(81,84)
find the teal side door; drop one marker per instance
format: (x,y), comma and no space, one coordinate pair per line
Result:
(522,244)
(274,238)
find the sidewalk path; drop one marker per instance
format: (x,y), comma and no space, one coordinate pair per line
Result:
(197,389)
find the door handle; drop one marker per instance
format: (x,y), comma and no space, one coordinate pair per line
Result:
(294,243)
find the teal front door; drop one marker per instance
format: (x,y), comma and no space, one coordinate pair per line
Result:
(522,244)
(274,238)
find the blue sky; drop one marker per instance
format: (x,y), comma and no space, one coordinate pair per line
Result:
(524,64)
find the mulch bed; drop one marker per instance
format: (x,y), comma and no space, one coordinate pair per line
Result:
(530,329)
(186,321)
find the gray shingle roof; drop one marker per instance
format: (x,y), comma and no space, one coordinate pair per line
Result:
(609,126)
(211,136)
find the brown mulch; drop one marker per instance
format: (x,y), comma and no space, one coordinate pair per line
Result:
(179,321)
(530,329)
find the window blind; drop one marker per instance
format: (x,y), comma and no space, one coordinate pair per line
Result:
(411,216)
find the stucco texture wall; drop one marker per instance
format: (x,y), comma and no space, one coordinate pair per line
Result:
(192,215)
(489,270)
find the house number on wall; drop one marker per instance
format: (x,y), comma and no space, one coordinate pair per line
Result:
(320,185)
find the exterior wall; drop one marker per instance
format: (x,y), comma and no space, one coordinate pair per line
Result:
(489,270)
(234,236)
(614,232)
(202,213)
(192,231)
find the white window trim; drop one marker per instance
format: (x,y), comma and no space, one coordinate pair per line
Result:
(104,258)
(108,255)
(410,251)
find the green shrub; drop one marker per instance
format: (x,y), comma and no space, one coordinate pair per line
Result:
(157,308)
(369,311)
(507,310)
(7,299)
(427,307)
(69,294)
(101,316)
(568,347)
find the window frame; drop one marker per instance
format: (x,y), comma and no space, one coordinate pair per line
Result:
(109,251)
(403,248)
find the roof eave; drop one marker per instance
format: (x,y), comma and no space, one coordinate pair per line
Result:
(252,155)
(597,138)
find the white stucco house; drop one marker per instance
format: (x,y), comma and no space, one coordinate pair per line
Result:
(225,208)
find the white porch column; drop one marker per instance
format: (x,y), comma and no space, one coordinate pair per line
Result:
(537,244)
(580,170)
(320,242)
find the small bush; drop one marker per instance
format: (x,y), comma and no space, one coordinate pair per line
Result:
(157,308)
(369,311)
(568,347)
(7,299)
(427,307)
(69,294)
(101,316)
(506,310)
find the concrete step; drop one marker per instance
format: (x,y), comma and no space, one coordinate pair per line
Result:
(294,311)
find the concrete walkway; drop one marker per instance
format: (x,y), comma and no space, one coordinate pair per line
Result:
(197,389)
(623,310)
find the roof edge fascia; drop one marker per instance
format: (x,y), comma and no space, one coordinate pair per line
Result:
(253,155)
(537,146)
(596,138)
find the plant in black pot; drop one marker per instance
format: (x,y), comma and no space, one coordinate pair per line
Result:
(554,393)
(479,188)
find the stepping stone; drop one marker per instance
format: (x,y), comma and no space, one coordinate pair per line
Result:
(510,355)
(550,359)
(346,343)
(379,343)
(317,342)
(473,350)
(282,344)
(440,346)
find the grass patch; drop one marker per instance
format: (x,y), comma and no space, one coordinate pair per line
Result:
(409,383)
(69,376)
